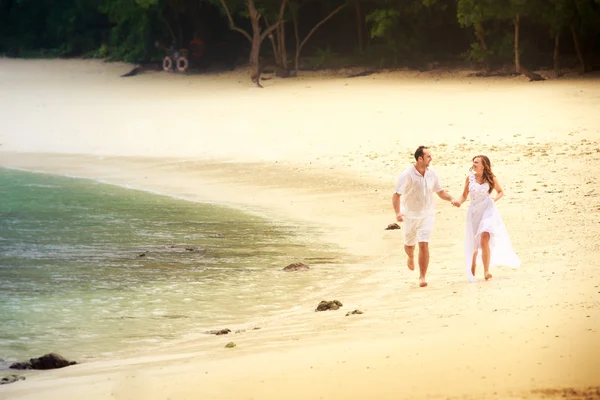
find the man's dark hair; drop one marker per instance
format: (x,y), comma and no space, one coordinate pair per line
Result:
(419,152)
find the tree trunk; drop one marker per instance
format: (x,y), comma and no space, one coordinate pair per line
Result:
(360,31)
(254,64)
(299,44)
(297,56)
(257,36)
(282,48)
(578,49)
(556,56)
(517,55)
(275,44)
(519,68)
(589,61)
(278,43)
(480,34)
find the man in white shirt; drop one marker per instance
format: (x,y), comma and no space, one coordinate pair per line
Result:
(413,203)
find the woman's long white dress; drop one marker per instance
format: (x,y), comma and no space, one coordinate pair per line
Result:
(483,216)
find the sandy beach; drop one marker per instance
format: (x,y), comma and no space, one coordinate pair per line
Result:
(324,151)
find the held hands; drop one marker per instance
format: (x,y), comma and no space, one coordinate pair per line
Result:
(455,202)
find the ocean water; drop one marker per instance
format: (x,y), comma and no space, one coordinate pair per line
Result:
(91,270)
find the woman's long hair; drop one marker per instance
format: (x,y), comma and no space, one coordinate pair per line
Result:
(487,175)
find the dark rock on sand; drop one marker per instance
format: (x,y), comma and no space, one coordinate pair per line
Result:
(296,267)
(363,73)
(354,312)
(219,332)
(48,361)
(244,330)
(133,72)
(11,379)
(329,305)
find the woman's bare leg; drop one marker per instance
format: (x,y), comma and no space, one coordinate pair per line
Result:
(485,254)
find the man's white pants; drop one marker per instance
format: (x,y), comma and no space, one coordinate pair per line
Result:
(417,230)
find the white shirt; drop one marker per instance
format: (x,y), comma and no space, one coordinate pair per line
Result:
(417,192)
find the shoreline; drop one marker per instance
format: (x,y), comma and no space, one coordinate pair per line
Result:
(53,164)
(348,333)
(526,330)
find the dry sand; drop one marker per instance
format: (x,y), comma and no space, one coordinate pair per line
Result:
(325,151)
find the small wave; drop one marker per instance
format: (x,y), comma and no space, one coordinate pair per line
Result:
(39,185)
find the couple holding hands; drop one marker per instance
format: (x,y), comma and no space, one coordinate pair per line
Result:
(486,239)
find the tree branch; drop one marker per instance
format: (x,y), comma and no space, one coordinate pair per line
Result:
(232,24)
(282,9)
(269,30)
(295,20)
(331,14)
(276,24)
(162,18)
(275,48)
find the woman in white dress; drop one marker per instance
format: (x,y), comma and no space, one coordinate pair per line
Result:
(486,238)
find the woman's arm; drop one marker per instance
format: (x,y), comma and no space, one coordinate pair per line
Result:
(498,189)
(465,193)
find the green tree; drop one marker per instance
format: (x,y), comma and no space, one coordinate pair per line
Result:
(475,13)
(401,29)
(557,16)
(133,27)
(585,28)
(62,27)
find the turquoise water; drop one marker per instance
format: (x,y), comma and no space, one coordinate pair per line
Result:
(73,279)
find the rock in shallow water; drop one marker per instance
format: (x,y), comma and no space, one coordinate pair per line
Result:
(11,379)
(47,361)
(296,267)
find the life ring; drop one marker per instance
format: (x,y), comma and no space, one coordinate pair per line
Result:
(167,64)
(180,67)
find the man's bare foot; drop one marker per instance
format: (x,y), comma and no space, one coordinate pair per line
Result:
(422,282)
(411,263)
(488,276)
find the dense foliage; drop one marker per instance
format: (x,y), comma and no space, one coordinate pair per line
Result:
(490,33)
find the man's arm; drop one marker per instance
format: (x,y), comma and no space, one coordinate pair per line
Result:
(400,186)
(446,196)
(437,186)
(396,205)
